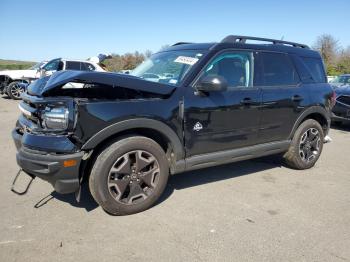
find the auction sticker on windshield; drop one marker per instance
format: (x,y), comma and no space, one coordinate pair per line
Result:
(186,60)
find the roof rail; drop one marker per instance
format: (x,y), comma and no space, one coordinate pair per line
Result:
(181,43)
(243,39)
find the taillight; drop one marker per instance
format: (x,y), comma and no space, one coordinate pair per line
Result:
(333,99)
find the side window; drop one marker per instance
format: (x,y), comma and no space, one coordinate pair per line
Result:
(72,65)
(275,69)
(315,68)
(52,66)
(235,67)
(87,67)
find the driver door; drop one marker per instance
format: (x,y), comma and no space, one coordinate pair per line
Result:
(51,67)
(223,120)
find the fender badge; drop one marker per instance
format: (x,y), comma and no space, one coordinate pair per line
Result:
(198,126)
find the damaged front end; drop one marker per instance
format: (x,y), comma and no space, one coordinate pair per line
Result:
(43,140)
(48,135)
(97,85)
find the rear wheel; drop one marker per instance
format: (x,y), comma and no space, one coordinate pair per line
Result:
(15,89)
(306,145)
(129,176)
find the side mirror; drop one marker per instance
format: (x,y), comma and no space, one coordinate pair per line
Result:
(212,83)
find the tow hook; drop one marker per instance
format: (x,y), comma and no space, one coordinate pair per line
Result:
(26,188)
(78,192)
(327,139)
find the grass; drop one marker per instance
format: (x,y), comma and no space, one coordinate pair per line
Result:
(14,64)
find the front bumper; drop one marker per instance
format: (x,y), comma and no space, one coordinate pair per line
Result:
(336,118)
(341,113)
(49,166)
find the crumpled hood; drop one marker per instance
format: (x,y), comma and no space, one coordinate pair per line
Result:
(343,90)
(58,79)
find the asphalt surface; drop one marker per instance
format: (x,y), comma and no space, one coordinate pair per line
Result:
(249,211)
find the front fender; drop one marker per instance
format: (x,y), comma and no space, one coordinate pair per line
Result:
(137,123)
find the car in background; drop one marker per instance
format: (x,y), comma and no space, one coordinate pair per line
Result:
(330,78)
(340,80)
(60,64)
(15,86)
(9,76)
(341,110)
(151,77)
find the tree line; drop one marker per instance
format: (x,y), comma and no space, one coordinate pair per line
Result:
(127,61)
(335,57)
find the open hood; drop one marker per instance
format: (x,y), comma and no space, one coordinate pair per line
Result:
(44,85)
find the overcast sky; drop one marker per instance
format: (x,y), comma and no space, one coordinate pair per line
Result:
(38,30)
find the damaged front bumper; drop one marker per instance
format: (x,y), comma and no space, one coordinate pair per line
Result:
(61,170)
(341,111)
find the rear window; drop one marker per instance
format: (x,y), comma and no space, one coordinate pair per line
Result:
(275,69)
(315,68)
(87,67)
(72,65)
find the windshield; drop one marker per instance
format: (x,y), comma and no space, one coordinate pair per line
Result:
(341,80)
(167,67)
(37,66)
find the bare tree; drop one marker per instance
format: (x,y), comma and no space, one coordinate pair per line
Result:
(148,53)
(328,47)
(126,61)
(163,47)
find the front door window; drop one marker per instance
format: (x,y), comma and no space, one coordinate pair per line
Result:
(236,68)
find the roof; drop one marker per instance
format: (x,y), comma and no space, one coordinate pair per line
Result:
(230,42)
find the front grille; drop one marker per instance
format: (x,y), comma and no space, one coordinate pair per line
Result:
(29,103)
(344,99)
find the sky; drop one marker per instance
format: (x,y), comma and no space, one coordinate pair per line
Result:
(36,30)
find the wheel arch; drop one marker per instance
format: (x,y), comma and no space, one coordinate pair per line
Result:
(317,113)
(20,80)
(5,79)
(154,129)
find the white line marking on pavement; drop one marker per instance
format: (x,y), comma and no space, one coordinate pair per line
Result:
(7,242)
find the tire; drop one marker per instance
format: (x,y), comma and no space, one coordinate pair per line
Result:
(297,155)
(129,176)
(14,91)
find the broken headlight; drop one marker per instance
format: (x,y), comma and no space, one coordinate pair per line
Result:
(55,118)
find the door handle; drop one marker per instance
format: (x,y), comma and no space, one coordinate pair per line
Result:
(246,101)
(297,98)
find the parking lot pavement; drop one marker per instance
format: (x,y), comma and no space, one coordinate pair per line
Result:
(248,211)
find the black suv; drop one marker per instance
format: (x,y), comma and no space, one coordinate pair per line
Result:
(188,107)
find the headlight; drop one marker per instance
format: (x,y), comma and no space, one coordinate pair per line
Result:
(55,118)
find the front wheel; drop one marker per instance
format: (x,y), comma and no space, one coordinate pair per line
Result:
(129,176)
(306,145)
(15,89)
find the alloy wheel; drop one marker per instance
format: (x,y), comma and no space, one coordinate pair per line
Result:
(309,146)
(16,90)
(133,177)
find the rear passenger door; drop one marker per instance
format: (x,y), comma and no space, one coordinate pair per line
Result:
(283,97)
(73,65)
